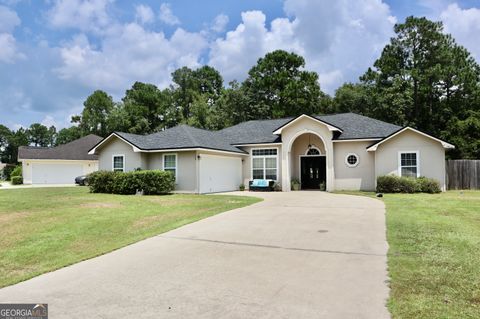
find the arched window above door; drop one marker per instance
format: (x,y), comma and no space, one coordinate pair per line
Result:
(312,151)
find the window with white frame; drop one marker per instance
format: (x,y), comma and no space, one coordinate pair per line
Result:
(264,163)
(170,163)
(118,163)
(408,164)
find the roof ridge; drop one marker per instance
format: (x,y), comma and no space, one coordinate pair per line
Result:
(259,120)
(360,115)
(184,126)
(119,132)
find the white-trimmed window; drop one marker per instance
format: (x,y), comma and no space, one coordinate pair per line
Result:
(118,163)
(265,163)
(352,160)
(408,164)
(170,163)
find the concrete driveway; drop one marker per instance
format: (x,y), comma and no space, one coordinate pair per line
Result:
(294,255)
(8,185)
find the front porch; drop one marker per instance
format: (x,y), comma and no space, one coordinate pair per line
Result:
(308,163)
(307,155)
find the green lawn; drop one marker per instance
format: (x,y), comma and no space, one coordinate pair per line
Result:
(434,256)
(43,229)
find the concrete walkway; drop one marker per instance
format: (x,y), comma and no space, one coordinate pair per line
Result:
(295,255)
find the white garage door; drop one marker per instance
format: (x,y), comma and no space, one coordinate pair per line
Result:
(55,173)
(219,173)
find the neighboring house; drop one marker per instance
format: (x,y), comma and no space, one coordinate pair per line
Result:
(58,165)
(341,151)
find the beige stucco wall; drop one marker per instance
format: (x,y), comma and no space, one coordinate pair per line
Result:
(247,162)
(290,134)
(187,163)
(361,177)
(116,146)
(299,147)
(27,165)
(186,168)
(431,153)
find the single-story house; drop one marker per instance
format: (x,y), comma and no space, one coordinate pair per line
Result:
(58,165)
(340,151)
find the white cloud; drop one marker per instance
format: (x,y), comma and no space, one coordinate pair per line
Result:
(8,19)
(166,15)
(144,14)
(79,14)
(235,54)
(17,126)
(129,54)
(464,25)
(8,48)
(220,23)
(339,40)
(48,121)
(8,45)
(331,79)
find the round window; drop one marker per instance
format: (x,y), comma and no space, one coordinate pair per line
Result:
(351,160)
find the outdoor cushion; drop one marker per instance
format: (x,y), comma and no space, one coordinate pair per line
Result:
(260,183)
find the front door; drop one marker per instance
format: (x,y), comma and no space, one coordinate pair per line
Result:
(313,171)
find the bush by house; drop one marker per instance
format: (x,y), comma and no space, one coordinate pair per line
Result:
(150,182)
(396,184)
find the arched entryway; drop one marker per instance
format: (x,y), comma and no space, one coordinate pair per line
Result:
(308,162)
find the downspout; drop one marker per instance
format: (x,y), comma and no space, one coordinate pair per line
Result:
(197,172)
(375,171)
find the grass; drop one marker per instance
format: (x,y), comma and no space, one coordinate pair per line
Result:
(434,255)
(43,229)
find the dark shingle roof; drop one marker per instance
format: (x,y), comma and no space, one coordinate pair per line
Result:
(254,132)
(180,137)
(75,150)
(353,126)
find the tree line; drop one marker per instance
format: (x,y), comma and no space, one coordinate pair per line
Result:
(422,78)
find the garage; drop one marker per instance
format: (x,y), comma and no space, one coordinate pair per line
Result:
(55,173)
(219,173)
(60,164)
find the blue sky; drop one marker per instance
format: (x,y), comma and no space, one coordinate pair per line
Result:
(54,53)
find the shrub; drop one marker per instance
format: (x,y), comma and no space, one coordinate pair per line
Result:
(16,180)
(101,181)
(7,170)
(428,185)
(17,171)
(396,184)
(151,182)
(387,184)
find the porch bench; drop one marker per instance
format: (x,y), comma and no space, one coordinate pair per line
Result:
(262,185)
